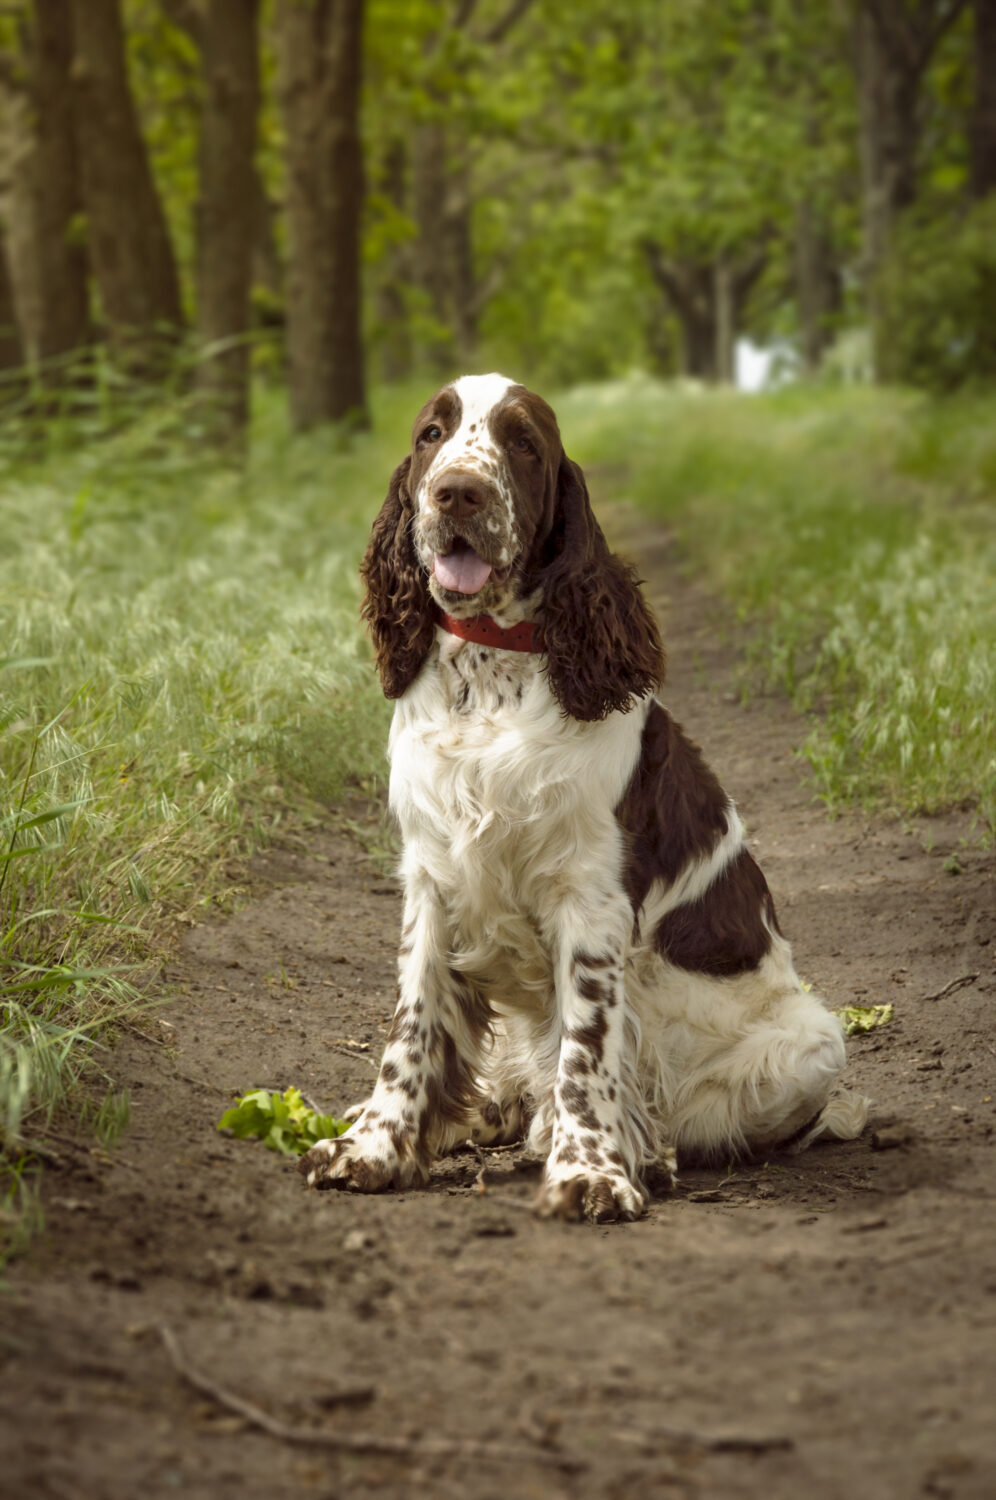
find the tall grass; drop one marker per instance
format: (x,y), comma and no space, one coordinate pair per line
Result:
(181,658)
(853,530)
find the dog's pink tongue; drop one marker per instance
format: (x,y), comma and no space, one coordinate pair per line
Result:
(462,570)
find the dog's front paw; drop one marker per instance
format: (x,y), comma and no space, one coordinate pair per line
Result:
(598,1196)
(367,1161)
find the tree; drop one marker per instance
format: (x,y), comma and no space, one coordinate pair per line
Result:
(393,275)
(127,236)
(320,59)
(982,130)
(11,348)
(229,207)
(47,261)
(893,45)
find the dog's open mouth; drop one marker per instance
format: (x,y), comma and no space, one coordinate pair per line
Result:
(463,570)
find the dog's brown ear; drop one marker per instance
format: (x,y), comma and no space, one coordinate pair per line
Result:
(397,607)
(602,642)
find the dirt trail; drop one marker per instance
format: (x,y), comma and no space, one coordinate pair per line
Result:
(819,1326)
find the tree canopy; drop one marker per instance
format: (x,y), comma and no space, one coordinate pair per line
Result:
(439,184)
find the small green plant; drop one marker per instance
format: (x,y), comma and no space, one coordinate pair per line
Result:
(283,1122)
(858,1018)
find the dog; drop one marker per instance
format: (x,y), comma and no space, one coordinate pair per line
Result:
(590,957)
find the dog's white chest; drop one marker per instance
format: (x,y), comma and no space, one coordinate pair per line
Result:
(495,800)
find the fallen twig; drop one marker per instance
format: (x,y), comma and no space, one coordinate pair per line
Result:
(949,989)
(200,1083)
(714,1442)
(25,1146)
(354,1442)
(143,1036)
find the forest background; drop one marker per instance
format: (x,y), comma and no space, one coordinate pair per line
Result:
(240,242)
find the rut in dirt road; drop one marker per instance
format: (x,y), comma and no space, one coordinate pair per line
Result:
(819,1325)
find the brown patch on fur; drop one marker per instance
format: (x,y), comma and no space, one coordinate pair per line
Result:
(674,809)
(578,1105)
(603,645)
(576,1063)
(601,1203)
(397,607)
(404,1028)
(593,989)
(724,932)
(451,1091)
(582,960)
(592,1036)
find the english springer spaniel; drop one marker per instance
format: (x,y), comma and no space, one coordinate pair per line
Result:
(590,956)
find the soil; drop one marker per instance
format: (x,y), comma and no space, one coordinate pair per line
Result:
(821,1325)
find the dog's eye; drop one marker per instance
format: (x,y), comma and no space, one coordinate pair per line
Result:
(522,444)
(430,434)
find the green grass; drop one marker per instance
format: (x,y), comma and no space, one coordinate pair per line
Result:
(853,531)
(182,664)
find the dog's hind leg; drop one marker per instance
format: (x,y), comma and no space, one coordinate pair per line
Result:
(776,1083)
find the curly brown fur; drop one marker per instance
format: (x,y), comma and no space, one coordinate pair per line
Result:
(397,606)
(603,646)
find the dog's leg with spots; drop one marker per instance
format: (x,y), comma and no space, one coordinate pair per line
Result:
(600,1133)
(427,1081)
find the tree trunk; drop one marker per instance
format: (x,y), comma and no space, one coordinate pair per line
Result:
(228,213)
(320,56)
(982,135)
(725,321)
(888,95)
(11,348)
(267,270)
(817,285)
(698,341)
(460,261)
(431,248)
(893,45)
(128,240)
(690,292)
(394,331)
(48,268)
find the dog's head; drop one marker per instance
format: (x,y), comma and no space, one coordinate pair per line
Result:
(487,515)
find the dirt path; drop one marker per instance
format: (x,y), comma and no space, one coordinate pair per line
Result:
(822,1326)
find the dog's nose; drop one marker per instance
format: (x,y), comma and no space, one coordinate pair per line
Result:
(459,496)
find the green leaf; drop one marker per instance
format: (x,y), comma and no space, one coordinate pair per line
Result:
(283,1122)
(859,1018)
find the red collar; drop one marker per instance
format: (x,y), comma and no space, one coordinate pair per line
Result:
(483,631)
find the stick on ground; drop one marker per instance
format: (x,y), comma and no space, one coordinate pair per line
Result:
(949,989)
(354,1442)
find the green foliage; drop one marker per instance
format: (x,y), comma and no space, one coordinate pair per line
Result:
(853,532)
(283,1122)
(938,301)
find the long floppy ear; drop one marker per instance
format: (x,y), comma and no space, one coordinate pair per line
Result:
(397,606)
(602,642)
